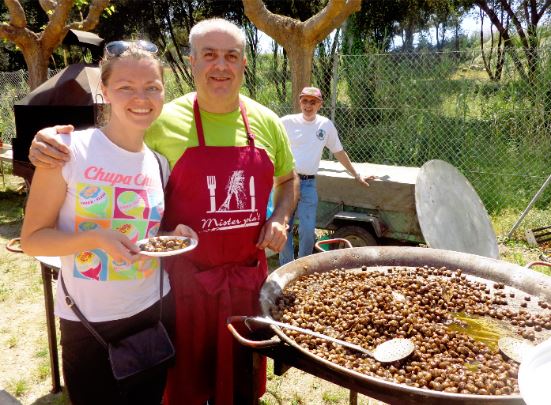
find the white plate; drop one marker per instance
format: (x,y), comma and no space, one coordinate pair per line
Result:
(191,246)
(534,374)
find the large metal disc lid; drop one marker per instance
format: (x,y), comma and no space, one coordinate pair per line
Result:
(450,213)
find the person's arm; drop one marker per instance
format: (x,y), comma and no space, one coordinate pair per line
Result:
(273,234)
(47,150)
(39,236)
(343,158)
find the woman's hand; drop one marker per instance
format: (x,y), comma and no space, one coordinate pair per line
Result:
(116,245)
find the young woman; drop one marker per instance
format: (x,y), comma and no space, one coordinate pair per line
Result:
(91,212)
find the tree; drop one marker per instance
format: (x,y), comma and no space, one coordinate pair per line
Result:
(373,27)
(168,23)
(525,16)
(37,47)
(298,38)
(495,69)
(325,61)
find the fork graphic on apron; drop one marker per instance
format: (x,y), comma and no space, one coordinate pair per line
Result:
(211,184)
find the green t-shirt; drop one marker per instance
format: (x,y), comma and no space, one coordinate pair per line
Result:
(174,131)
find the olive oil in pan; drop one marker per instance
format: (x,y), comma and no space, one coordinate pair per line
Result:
(483,329)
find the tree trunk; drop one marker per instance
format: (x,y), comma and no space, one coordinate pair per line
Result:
(528,37)
(37,64)
(408,41)
(38,47)
(456,36)
(299,38)
(300,61)
(250,73)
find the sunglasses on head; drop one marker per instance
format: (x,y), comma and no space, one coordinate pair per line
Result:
(117,48)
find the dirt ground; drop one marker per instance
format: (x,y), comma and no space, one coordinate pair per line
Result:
(24,357)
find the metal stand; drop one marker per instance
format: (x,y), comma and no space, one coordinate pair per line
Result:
(49,274)
(529,207)
(286,357)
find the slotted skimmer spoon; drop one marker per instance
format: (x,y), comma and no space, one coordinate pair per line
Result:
(387,352)
(514,348)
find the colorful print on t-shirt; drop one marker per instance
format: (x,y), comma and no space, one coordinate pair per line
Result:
(136,213)
(131,204)
(94,201)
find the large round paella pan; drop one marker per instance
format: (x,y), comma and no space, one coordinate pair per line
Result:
(515,290)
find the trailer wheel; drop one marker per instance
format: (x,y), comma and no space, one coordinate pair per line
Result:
(356,235)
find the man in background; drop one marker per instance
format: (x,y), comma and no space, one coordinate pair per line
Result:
(309,133)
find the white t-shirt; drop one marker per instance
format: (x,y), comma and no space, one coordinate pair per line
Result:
(308,138)
(111,188)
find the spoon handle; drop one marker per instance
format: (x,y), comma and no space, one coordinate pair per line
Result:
(269,321)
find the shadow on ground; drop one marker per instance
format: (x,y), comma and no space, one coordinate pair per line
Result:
(51,399)
(7,399)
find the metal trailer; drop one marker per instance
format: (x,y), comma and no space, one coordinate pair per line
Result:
(384,213)
(433,205)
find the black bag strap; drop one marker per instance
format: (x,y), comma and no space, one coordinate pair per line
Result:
(160,169)
(74,307)
(161,270)
(71,304)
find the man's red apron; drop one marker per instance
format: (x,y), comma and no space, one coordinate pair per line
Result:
(222,193)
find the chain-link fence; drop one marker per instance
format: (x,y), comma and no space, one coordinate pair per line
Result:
(13,86)
(406,109)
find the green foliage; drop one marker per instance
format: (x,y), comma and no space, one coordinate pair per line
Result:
(406,109)
(19,387)
(330,397)
(11,199)
(173,88)
(109,10)
(43,370)
(10,90)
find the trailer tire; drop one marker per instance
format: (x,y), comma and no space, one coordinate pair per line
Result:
(356,235)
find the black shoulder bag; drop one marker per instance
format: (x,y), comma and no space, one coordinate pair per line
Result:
(138,356)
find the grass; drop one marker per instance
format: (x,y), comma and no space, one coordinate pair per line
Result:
(11,342)
(25,369)
(12,198)
(516,249)
(504,221)
(43,370)
(330,397)
(19,387)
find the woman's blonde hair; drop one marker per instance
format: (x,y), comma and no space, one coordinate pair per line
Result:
(133,51)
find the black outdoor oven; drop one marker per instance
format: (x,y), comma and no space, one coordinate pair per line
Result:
(69,97)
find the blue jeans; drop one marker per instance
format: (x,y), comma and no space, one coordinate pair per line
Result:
(306,215)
